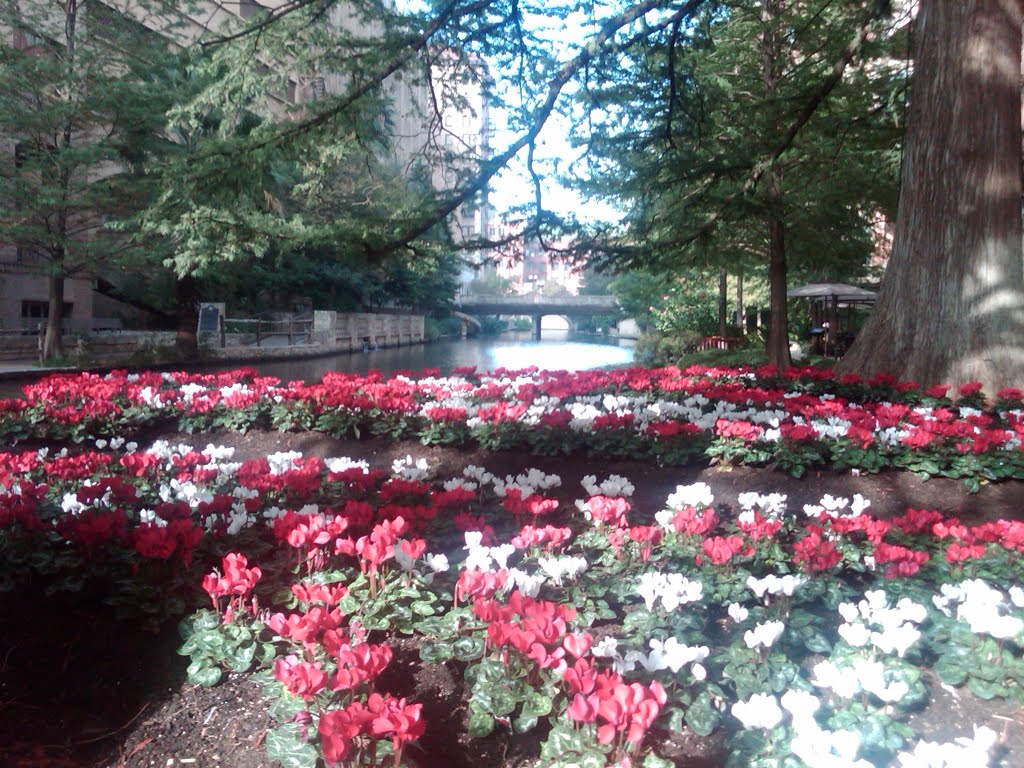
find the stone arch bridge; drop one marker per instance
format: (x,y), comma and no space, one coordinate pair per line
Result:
(536,306)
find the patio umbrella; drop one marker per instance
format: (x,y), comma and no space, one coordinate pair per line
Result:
(831,294)
(834,291)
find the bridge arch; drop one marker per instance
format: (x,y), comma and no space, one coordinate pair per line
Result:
(537,306)
(467,321)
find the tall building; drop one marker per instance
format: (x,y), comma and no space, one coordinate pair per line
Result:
(438,121)
(442,123)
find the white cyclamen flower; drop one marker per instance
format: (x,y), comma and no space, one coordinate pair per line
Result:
(738,613)
(857,635)
(527,584)
(759,711)
(775,585)
(696,495)
(437,563)
(764,634)
(839,681)
(800,704)
(671,654)
(605,648)
(960,753)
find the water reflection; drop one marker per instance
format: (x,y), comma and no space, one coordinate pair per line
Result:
(556,351)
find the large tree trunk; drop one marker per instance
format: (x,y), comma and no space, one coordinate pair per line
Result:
(777,345)
(741,311)
(951,305)
(773,62)
(53,342)
(723,298)
(186,294)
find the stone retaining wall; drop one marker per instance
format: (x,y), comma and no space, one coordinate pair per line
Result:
(332,332)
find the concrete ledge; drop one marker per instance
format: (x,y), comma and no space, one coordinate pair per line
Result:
(209,358)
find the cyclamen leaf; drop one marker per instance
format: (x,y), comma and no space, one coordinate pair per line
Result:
(241,658)
(985,689)
(285,744)
(203,674)
(468,648)
(653,761)
(422,608)
(503,701)
(376,622)
(286,705)
(524,724)
(349,605)
(536,705)
(480,723)
(701,715)
(566,746)
(436,653)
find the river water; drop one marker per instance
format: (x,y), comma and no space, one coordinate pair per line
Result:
(555,351)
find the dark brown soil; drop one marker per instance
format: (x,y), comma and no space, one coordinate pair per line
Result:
(890,493)
(80,690)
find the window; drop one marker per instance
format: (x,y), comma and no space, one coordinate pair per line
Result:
(248,8)
(24,39)
(40,310)
(292,90)
(29,256)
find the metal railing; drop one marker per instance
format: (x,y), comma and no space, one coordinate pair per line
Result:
(720,342)
(293,327)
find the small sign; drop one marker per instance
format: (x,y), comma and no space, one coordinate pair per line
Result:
(209,319)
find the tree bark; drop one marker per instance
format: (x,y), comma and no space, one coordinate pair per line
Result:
(723,298)
(951,305)
(53,342)
(186,294)
(741,311)
(777,344)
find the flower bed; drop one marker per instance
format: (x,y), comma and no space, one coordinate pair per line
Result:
(807,634)
(789,420)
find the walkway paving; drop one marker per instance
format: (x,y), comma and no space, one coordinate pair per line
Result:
(20,366)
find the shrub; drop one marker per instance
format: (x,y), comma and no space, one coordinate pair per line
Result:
(492,326)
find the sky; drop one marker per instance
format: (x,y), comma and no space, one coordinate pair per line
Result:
(554,149)
(514,186)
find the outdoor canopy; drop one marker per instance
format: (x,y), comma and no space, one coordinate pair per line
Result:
(837,291)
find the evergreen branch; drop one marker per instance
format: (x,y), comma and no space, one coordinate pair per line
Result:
(449,12)
(817,98)
(539,119)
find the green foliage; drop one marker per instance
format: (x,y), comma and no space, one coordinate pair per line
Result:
(492,326)
(214,646)
(690,305)
(85,95)
(489,284)
(448,326)
(287,744)
(680,124)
